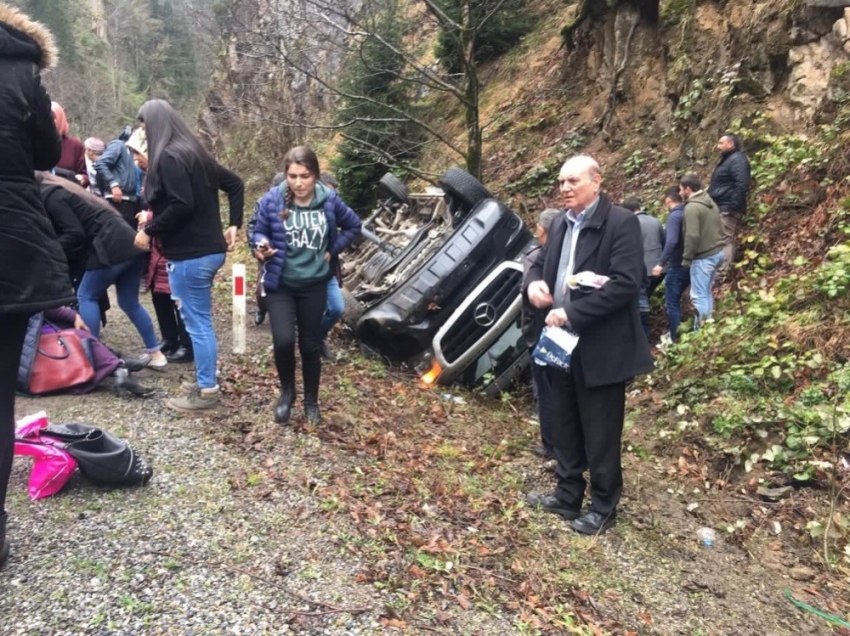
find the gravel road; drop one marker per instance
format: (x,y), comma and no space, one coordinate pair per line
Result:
(189,553)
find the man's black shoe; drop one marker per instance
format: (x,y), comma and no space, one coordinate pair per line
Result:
(594,523)
(182,354)
(326,352)
(550,503)
(542,451)
(259,317)
(125,385)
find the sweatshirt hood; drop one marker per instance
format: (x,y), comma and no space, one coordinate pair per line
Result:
(701,198)
(322,194)
(25,39)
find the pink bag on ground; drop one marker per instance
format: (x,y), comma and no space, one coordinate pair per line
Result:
(52,465)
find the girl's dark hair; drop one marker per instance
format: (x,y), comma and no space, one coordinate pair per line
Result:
(167,132)
(302,156)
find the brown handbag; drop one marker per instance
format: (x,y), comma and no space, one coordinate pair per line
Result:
(61,362)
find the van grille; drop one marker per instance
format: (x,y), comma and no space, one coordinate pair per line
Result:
(477,319)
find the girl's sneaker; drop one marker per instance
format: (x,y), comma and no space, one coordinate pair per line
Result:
(198,400)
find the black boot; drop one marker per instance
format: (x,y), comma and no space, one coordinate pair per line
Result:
(327,352)
(181,354)
(169,346)
(311,409)
(284,404)
(4,544)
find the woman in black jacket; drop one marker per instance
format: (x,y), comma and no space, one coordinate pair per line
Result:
(181,188)
(101,245)
(33,272)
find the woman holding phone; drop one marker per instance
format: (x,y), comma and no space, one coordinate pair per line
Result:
(301,226)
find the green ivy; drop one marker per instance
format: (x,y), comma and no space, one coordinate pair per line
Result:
(753,385)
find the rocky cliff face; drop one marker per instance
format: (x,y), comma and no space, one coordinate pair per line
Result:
(268,88)
(691,63)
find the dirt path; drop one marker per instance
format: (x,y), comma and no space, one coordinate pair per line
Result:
(401,504)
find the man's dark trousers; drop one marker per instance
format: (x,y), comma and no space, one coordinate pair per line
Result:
(543,395)
(587,426)
(128,209)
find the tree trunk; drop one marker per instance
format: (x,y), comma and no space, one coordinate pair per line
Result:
(473,127)
(471,92)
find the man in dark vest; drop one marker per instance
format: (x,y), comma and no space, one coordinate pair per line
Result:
(588,402)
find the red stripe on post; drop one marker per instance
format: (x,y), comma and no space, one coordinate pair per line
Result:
(239,286)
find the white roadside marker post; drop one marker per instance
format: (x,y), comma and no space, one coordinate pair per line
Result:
(239,309)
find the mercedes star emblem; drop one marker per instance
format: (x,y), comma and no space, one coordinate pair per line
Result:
(485,314)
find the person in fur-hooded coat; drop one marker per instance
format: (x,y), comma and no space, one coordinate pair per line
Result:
(33,271)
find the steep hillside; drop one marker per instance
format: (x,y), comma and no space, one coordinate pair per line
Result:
(760,398)
(649,86)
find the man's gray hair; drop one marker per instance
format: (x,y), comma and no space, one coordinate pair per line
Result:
(279,178)
(547,217)
(584,162)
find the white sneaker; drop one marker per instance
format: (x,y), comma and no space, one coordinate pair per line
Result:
(159,365)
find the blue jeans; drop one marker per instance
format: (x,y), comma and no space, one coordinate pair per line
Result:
(126,277)
(191,288)
(675,284)
(334,308)
(703,271)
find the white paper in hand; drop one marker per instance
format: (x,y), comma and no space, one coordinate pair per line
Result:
(587,279)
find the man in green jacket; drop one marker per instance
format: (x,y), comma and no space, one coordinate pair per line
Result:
(703,245)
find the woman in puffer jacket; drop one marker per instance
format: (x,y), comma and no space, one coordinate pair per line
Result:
(33,272)
(302,226)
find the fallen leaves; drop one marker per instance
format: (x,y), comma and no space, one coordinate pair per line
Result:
(426,490)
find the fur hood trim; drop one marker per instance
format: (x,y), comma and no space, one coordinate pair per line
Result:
(37,31)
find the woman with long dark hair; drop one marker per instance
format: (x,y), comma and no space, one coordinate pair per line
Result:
(302,225)
(181,188)
(33,272)
(176,344)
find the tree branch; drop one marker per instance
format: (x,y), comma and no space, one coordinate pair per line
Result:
(337,91)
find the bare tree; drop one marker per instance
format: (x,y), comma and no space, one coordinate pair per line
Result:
(306,43)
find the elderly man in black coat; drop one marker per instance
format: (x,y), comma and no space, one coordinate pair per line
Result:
(33,272)
(588,403)
(730,184)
